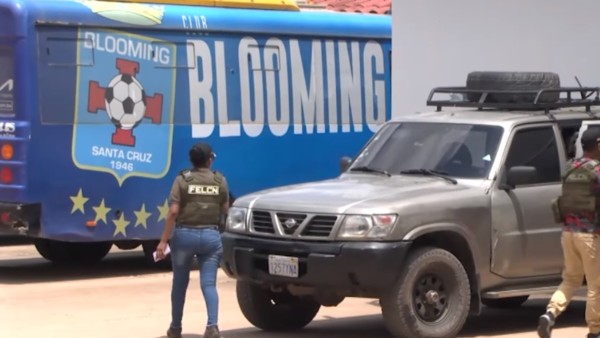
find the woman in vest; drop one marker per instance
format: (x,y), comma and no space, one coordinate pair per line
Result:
(198,199)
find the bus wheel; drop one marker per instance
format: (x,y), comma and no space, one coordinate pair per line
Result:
(149,247)
(72,253)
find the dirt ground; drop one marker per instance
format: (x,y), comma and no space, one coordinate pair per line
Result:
(123,297)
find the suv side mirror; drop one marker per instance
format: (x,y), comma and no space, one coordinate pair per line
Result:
(345,163)
(520,175)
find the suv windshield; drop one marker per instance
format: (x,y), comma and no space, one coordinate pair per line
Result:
(458,150)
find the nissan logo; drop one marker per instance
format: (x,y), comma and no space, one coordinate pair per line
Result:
(290,223)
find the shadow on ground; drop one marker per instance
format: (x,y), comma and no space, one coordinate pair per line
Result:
(38,270)
(7,240)
(490,323)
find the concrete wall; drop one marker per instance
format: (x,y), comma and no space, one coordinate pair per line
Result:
(437,42)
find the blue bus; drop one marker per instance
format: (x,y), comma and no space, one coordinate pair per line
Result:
(100,102)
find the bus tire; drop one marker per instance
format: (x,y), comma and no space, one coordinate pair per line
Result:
(513,81)
(275,311)
(70,252)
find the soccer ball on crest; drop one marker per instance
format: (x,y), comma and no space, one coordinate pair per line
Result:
(125,101)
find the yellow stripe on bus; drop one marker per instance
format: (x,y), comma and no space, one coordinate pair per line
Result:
(289,5)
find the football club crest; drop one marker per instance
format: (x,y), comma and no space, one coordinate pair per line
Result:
(124,109)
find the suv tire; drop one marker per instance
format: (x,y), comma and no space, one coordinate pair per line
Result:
(275,311)
(431,299)
(513,81)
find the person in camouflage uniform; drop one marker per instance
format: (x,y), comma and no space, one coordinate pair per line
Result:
(577,208)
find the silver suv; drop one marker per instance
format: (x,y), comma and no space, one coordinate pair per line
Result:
(439,213)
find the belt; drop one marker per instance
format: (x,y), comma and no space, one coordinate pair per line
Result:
(198,227)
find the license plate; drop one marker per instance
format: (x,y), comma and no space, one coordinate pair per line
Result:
(283,266)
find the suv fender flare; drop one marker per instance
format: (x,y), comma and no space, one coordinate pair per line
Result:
(444,227)
(474,253)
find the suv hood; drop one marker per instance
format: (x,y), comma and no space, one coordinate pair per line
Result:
(351,192)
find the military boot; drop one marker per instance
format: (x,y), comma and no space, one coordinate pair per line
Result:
(545,324)
(212,332)
(174,333)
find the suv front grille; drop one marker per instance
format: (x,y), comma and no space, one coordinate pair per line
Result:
(262,222)
(320,226)
(293,224)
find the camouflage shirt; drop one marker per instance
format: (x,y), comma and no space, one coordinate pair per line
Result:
(583,222)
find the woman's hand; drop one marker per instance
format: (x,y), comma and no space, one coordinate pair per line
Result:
(160,250)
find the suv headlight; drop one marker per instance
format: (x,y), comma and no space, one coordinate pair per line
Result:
(236,219)
(363,226)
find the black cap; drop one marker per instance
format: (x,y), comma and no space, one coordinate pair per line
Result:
(200,153)
(590,137)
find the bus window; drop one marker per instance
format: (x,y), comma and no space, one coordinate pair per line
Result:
(185,54)
(56,57)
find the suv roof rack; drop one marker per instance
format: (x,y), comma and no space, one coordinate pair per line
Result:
(531,98)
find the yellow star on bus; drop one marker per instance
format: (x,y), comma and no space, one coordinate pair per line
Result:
(101,212)
(163,210)
(78,202)
(142,217)
(121,225)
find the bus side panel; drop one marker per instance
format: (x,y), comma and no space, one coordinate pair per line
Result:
(15,100)
(277,110)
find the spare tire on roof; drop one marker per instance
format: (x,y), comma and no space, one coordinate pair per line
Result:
(513,81)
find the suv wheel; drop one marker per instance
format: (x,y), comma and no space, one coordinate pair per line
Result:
(431,299)
(275,311)
(504,303)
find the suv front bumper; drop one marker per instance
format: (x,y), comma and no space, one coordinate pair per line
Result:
(364,265)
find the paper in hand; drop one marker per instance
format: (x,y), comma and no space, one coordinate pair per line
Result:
(167,251)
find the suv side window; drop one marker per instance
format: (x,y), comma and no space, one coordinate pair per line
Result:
(536,147)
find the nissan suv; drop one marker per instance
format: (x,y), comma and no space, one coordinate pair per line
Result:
(439,214)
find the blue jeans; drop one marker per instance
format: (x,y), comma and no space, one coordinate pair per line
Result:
(206,245)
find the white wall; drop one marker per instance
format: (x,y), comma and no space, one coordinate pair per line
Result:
(437,42)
